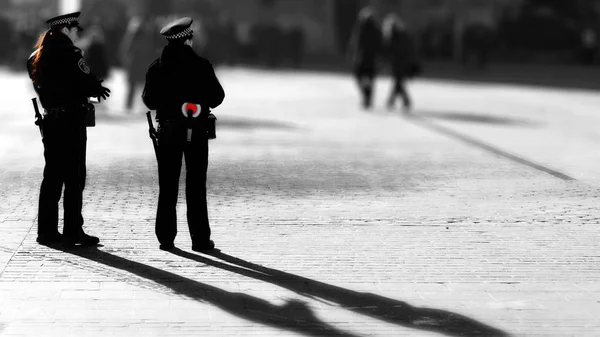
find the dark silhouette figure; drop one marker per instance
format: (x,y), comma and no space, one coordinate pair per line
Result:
(222,44)
(63,81)
(372,305)
(96,52)
(477,42)
(6,36)
(138,49)
(296,45)
(402,55)
(176,82)
(364,49)
(589,46)
(294,316)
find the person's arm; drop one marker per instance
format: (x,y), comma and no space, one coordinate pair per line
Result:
(125,47)
(216,94)
(151,95)
(79,77)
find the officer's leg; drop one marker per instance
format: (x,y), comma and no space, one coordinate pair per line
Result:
(74,181)
(169,170)
(51,188)
(196,162)
(82,174)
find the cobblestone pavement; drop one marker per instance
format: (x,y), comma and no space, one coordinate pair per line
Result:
(475,217)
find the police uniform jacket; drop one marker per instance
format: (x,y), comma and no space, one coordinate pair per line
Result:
(64,78)
(181,76)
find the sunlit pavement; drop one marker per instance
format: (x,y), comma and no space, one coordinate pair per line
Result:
(475,216)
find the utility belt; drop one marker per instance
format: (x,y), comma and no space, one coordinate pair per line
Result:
(69,111)
(207,125)
(193,117)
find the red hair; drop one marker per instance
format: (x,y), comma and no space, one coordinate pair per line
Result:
(38,54)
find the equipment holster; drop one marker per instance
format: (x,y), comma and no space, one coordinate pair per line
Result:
(211,126)
(90,115)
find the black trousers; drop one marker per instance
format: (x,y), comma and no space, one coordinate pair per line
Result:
(65,140)
(173,145)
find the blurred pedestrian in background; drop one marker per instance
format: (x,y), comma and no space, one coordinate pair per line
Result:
(477,42)
(63,81)
(94,44)
(296,45)
(179,81)
(138,49)
(221,47)
(6,36)
(402,55)
(364,49)
(589,46)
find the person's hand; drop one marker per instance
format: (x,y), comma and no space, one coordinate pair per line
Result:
(104,93)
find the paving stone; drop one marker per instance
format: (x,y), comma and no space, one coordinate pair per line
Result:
(329,219)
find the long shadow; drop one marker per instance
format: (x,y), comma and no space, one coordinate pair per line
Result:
(423,121)
(252,123)
(473,118)
(226,122)
(372,305)
(294,316)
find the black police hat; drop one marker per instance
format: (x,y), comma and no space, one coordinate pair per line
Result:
(178,29)
(68,20)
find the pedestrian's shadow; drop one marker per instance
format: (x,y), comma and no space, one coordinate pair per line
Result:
(469,117)
(369,304)
(464,137)
(294,316)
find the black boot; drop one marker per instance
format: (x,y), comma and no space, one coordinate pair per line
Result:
(167,247)
(49,239)
(204,246)
(81,239)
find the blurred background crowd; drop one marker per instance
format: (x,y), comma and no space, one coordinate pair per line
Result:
(307,33)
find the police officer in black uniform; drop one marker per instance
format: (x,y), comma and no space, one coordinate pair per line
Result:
(180,85)
(63,83)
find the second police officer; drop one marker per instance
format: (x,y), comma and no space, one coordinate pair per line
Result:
(63,81)
(182,87)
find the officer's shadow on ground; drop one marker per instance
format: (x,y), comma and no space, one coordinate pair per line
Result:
(295,315)
(368,304)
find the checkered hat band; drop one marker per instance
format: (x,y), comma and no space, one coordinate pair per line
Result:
(184,33)
(64,21)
